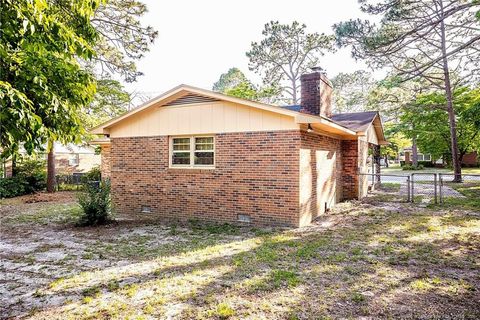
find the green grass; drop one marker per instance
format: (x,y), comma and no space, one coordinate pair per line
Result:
(390,187)
(471,191)
(398,170)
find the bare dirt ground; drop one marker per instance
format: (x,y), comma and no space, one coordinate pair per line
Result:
(363,260)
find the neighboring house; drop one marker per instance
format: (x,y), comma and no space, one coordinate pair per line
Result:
(69,159)
(75,159)
(196,154)
(469,160)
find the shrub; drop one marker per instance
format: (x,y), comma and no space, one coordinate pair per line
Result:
(95,203)
(12,187)
(412,167)
(30,176)
(34,172)
(93,175)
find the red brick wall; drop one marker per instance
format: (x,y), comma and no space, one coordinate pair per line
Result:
(321,162)
(350,169)
(256,174)
(470,159)
(316,94)
(105,166)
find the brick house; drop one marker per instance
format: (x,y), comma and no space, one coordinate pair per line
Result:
(196,154)
(469,159)
(69,159)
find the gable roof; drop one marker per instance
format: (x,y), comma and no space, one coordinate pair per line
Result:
(361,122)
(185,93)
(358,121)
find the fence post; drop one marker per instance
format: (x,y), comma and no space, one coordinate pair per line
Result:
(440,187)
(412,182)
(435,186)
(408,189)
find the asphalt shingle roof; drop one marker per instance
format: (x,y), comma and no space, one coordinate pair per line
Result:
(356,121)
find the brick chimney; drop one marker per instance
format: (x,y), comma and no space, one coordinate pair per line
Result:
(316,93)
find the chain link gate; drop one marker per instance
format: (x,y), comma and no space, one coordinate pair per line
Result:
(387,187)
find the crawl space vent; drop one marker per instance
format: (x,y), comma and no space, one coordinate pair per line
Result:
(244,218)
(146,209)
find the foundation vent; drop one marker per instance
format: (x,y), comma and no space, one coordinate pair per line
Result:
(146,209)
(244,218)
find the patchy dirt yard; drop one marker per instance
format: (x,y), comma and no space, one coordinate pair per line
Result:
(370,260)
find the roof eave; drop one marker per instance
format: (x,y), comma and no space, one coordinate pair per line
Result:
(327,124)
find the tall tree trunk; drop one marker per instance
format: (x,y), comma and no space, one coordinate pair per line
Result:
(457,168)
(294,91)
(50,167)
(414,150)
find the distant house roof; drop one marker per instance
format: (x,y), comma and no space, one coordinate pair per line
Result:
(356,121)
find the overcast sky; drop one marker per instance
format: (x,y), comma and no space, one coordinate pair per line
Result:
(200,40)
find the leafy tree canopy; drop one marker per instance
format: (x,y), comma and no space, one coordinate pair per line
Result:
(111,100)
(351,91)
(431,122)
(43,87)
(286,52)
(235,83)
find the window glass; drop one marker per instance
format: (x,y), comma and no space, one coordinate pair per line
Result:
(199,150)
(181,158)
(204,158)
(181,144)
(204,151)
(428,157)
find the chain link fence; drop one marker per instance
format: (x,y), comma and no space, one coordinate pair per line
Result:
(451,191)
(387,187)
(426,188)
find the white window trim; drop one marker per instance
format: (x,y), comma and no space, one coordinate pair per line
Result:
(192,164)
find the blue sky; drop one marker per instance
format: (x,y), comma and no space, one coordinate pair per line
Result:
(199,40)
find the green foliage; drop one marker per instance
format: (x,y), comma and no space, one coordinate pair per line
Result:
(95,203)
(285,53)
(12,187)
(110,101)
(431,122)
(409,167)
(351,91)
(234,83)
(30,176)
(223,311)
(42,84)
(232,78)
(34,173)
(95,174)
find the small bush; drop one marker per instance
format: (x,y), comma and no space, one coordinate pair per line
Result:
(412,167)
(94,174)
(95,203)
(30,176)
(12,187)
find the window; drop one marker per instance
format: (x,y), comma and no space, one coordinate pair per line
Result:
(427,157)
(74,159)
(420,157)
(190,152)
